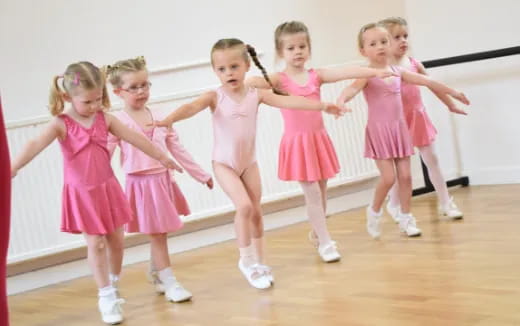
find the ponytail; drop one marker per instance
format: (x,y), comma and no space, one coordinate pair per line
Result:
(252,52)
(105,99)
(56,104)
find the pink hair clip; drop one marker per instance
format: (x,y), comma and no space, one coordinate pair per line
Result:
(76,79)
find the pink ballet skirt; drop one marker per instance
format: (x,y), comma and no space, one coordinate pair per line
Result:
(306,151)
(180,201)
(386,133)
(152,198)
(92,199)
(419,124)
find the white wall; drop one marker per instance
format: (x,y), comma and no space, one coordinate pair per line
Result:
(39,38)
(489,137)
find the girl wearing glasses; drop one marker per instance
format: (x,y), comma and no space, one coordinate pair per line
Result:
(154,197)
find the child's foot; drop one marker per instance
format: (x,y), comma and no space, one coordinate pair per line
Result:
(408,225)
(393,211)
(450,210)
(373,223)
(175,292)
(111,311)
(329,252)
(254,275)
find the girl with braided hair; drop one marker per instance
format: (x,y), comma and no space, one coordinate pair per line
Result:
(234,107)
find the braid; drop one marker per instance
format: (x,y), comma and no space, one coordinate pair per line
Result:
(252,52)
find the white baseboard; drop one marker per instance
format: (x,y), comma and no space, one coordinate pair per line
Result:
(496,175)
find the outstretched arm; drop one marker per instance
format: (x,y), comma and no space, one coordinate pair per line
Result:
(190,109)
(331,75)
(138,140)
(53,130)
(443,97)
(182,156)
(298,103)
(435,86)
(350,91)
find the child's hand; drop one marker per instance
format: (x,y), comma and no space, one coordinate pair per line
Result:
(461,97)
(383,73)
(170,164)
(14,172)
(334,109)
(457,110)
(209,183)
(161,123)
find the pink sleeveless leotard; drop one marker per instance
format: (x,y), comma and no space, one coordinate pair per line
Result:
(234,130)
(93,201)
(306,151)
(386,133)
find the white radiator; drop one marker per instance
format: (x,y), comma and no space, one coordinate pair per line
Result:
(37,188)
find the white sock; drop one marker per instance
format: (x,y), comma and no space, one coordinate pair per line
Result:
(166,276)
(107,293)
(247,255)
(113,278)
(374,213)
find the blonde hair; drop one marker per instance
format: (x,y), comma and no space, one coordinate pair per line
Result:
(246,51)
(83,75)
(118,69)
(365,28)
(391,22)
(292,27)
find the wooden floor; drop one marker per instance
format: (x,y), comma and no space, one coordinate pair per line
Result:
(457,273)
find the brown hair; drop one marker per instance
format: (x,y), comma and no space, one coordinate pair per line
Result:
(365,28)
(390,22)
(247,50)
(292,27)
(115,71)
(77,75)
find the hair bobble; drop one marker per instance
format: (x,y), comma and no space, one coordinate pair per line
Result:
(76,79)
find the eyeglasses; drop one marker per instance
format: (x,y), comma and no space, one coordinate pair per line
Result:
(135,89)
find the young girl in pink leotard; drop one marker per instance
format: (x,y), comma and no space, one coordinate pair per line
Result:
(387,139)
(419,124)
(306,152)
(234,108)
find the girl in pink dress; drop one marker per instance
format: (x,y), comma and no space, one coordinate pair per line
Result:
(387,139)
(154,196)
(234,108)
(93,202)
(306,152)
(419,124)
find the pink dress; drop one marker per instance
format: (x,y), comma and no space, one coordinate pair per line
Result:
(154,196)
(386,133)
(421,128)
(306,151)
(234,130)
(93,201)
